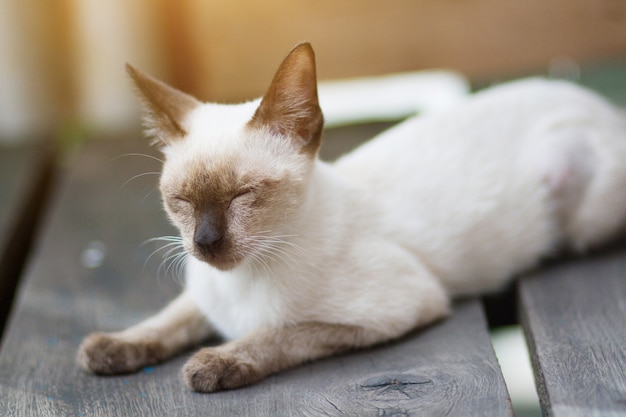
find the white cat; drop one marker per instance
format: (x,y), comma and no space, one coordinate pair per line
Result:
(294,259)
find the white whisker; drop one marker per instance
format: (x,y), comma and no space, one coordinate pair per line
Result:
(139,154)
(143,200)
(258,260)
(269,250)
(138,176)
(175,261)
(164,239)
(174,240)
(174,256)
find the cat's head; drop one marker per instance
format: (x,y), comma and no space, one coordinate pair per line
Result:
(235,176)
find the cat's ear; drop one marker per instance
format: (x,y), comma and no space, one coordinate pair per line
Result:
(291,107)
(166,107)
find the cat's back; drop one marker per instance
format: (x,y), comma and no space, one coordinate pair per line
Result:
(490,125)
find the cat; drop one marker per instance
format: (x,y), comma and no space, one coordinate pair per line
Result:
(293,259)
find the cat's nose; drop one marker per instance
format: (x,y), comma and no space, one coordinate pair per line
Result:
(208,236)
(207,240)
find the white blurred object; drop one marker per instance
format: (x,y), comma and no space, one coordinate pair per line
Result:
(93,255)
(109,34)
(390,97)
(512,354)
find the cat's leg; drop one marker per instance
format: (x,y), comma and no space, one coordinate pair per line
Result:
(394,294)
(268,350)
(178,326)
(272,349)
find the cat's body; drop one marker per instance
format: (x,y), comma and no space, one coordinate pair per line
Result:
(296,259)
(482,191)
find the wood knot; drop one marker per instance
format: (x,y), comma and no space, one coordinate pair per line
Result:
(393,385)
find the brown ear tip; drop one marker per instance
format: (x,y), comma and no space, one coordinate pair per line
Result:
(132,71)
(305,47)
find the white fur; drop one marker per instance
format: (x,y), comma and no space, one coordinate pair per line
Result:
(217,132)
(448,204)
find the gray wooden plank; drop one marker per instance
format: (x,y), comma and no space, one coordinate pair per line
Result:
(25,172)
(574,318)
(14,167)
(89,273)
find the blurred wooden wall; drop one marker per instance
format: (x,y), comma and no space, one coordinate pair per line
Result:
(228,50)
(62,62)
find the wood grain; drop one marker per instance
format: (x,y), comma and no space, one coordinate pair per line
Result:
(90,273)
(574,317)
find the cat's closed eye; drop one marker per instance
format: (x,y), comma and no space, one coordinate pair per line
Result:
(179,204)
(242,193)
(182,200)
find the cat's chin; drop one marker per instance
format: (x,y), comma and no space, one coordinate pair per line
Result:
(219,262)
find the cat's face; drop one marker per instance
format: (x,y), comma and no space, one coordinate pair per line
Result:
(235,176)
(229,201)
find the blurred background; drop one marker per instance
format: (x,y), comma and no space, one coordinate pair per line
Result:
(62,62)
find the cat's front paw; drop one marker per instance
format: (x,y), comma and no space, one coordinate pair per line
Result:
(107,354)
(214,369)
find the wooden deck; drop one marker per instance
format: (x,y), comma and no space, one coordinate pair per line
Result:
(91,269)
(574,317)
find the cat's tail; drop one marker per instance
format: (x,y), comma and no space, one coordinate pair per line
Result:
(390,97)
